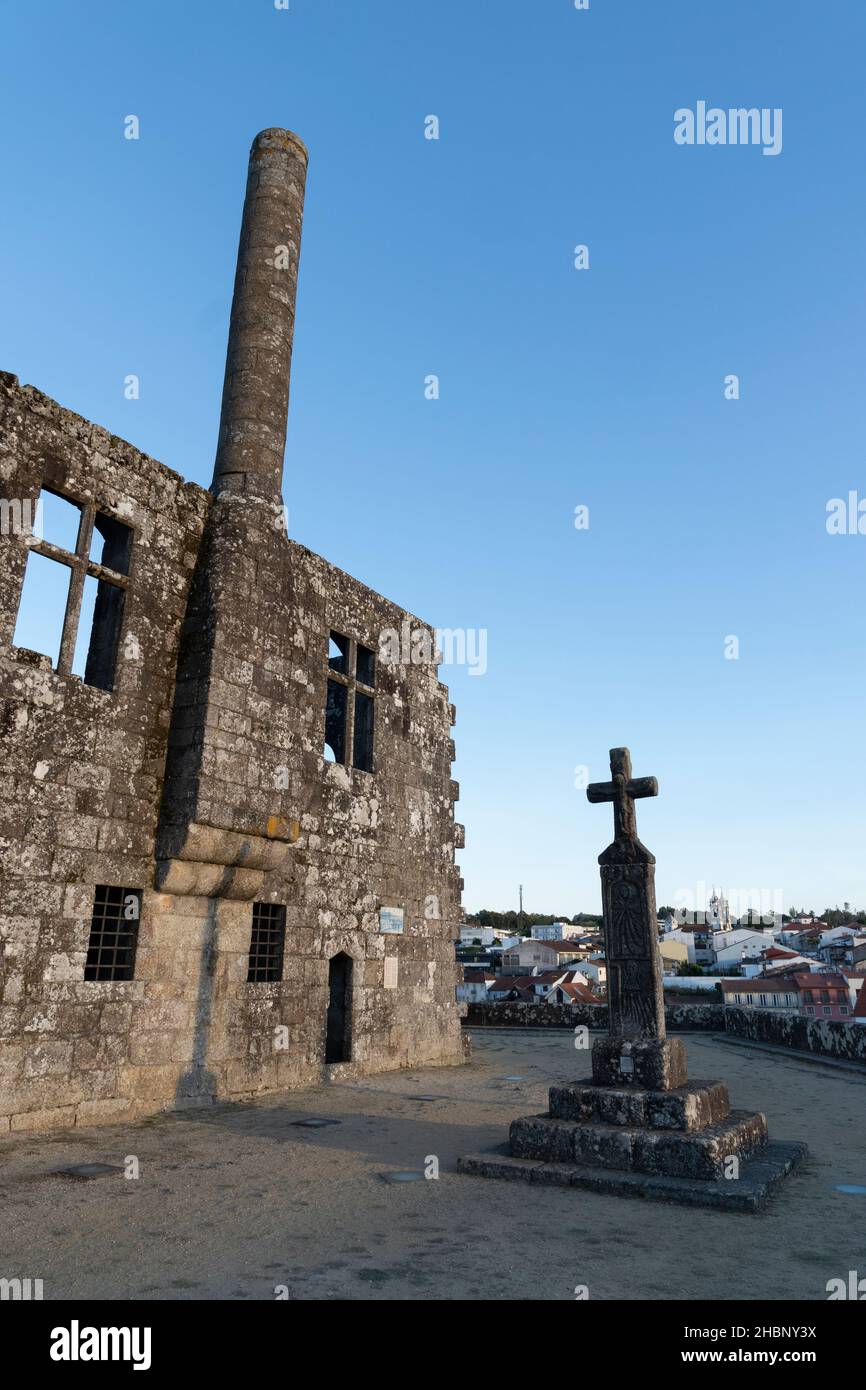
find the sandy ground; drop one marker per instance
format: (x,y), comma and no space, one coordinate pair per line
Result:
(234,1201)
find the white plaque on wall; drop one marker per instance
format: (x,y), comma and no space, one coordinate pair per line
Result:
(391,920)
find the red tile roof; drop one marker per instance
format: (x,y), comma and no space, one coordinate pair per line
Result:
(820,980)
(580,994)
(547,977)
(760,984)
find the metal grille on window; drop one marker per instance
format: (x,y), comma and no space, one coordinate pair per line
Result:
(267,943)
(113,934)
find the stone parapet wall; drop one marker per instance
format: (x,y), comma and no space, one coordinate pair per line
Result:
(678,1017)
(829,1038)
(826,1038)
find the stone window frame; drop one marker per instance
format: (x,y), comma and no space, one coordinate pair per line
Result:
(81,565)
(353,687)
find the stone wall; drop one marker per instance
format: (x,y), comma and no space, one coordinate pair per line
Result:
(200,779)
(828,1038)
(678,1017)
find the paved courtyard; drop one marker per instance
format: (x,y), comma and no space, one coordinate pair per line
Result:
(233,1201)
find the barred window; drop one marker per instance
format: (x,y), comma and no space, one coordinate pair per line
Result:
(113,933)
(267,943)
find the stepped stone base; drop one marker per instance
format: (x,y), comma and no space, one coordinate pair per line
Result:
(688,1153)
(759,1176)
(672,1144)
(689,1107)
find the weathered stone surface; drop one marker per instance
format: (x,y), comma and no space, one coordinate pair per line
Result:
(824,1037)
(692,1154)
(690,1107)
(653,1064)
(200,777)
(758,1178)
(702,1153)
(686,1018)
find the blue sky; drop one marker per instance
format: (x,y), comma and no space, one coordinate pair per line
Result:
(559,388)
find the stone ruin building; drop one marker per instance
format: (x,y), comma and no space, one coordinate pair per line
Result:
(195,902)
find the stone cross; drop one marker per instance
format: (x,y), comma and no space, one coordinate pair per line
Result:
(623,790)
(636,1052)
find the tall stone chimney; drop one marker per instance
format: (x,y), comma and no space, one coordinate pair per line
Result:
(255,403)
(226,819)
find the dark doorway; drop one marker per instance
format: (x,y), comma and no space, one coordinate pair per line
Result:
(338,1044)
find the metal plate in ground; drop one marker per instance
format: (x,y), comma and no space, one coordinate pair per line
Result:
(87,1170)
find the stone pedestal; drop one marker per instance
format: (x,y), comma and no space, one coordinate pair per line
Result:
(678,1143)
(657,1064)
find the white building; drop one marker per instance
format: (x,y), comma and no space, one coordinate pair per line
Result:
(471,932)
(475,986)
(557,931)
(734,947)
(594,973)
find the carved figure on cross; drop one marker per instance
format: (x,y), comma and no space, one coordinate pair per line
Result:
(622,790)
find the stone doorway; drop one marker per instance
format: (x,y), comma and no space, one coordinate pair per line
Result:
(338,1042)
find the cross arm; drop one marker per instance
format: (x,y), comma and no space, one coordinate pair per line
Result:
(601,791)
(643,786)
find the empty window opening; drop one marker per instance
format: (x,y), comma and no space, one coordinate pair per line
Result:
(72,598)
(349,713)
(111,543)
(362,740)
(42,609)
(113,934)
(338,653)
(365,667)
(104,634)
(338,1042)
(267,943)
(335,722)
(58,520)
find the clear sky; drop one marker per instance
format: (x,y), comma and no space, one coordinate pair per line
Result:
(560,388)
